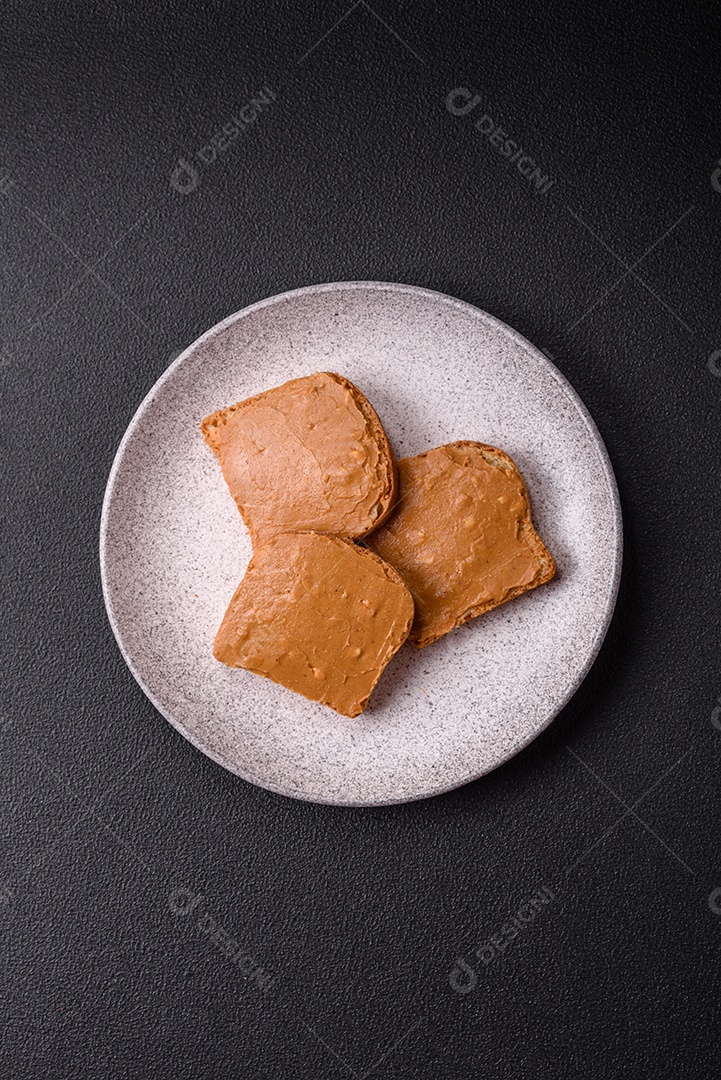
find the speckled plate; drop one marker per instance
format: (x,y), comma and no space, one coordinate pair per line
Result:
(173,546)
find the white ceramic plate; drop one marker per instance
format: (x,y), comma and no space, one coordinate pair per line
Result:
(173,546)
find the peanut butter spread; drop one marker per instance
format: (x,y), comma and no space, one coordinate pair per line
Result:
(461,536)
(318,615)
(310,454)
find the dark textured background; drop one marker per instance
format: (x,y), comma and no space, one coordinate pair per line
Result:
(358,170)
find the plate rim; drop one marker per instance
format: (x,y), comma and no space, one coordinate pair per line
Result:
(538,357)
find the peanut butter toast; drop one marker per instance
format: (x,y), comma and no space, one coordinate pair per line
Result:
(318,615)
(461,536)
(308,455)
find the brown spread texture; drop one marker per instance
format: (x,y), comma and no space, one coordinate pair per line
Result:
(461,536)
(310,454)
(318,615)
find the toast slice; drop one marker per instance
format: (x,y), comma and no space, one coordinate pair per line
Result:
(461,536)
(318,615)
(308,455)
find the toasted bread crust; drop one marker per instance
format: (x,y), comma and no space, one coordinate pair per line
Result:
(390,494)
